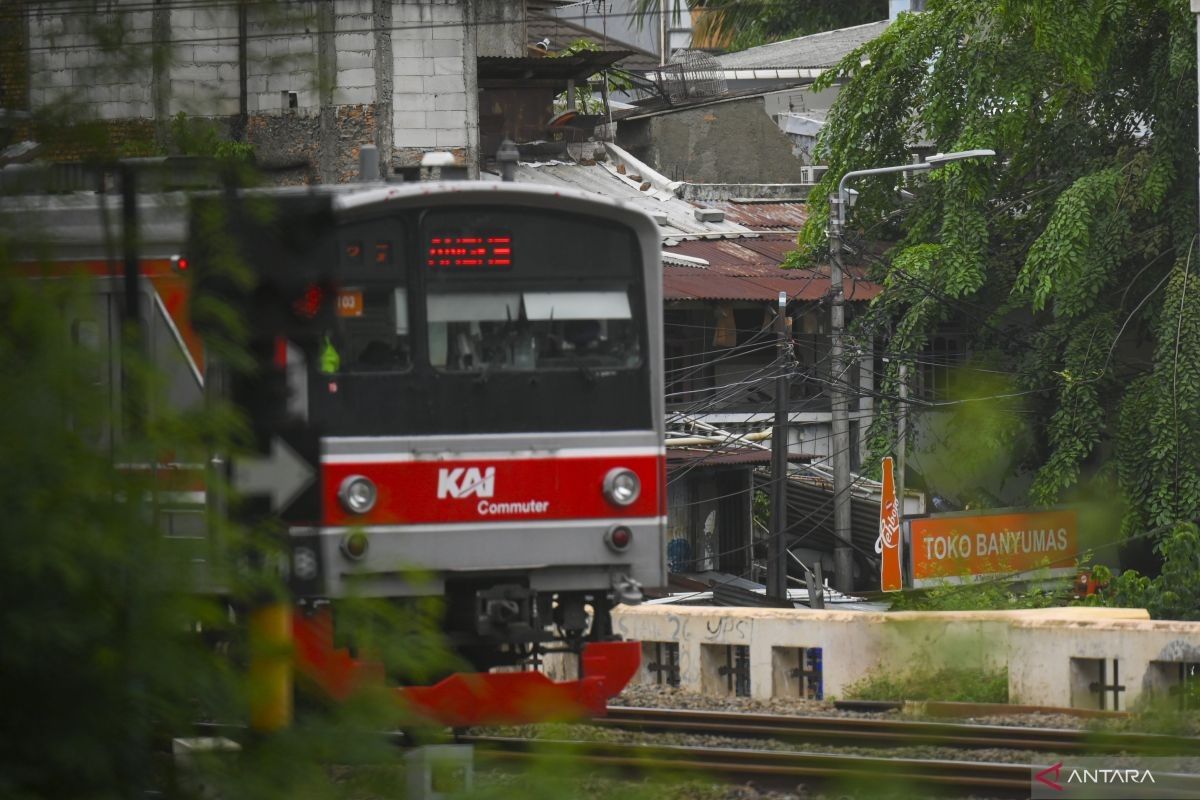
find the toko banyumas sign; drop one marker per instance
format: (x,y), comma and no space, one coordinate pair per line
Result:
(965,546)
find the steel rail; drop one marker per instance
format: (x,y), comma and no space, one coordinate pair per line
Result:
(892,733)
(773,768)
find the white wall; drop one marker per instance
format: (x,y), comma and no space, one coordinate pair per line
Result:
(429,101)
(854,644)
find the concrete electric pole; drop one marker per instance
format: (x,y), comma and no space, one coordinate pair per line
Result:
(777,552)
(843,553)
(839,443)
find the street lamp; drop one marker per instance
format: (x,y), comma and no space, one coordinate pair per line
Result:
(843,553)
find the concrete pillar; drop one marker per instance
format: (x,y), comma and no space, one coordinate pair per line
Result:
(327,144)
(381,15)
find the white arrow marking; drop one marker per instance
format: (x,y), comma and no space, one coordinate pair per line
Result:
(282,475)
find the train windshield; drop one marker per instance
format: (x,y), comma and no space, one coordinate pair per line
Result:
(489,319)
(538,329)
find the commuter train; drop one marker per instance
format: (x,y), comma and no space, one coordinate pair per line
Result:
(457,391)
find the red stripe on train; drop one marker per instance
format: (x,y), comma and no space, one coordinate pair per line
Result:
(492,490)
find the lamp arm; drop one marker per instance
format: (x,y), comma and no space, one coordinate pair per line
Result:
(858,173)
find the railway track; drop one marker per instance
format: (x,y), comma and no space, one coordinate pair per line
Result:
(773,769)
(858,732)
(785,769)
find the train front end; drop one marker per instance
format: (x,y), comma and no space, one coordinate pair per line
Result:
(474,372)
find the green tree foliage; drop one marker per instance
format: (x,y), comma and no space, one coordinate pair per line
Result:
(202,137)
(586,99)
(113,643)
(1070,257)
(1173,594)
(98,656)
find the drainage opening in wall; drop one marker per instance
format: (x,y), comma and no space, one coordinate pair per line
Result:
(1176,681)
(725,669)
(661,660)
(1096,684)
(797,672)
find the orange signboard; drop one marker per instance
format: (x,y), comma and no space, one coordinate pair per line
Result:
(954,547)
(888,544)
(350,303)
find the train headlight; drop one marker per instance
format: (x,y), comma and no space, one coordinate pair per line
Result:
(622,486)
(354,545)
(358,494)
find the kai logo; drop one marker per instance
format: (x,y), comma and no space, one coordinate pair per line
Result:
(466,481)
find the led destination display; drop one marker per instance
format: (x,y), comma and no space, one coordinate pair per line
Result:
(491,251)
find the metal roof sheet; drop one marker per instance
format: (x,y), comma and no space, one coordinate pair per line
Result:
(604,180)
(749,269)
(562,32)
(764,215)
(816,50)
(578,66)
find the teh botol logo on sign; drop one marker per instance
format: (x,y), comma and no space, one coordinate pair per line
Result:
(888,543)
(461,482)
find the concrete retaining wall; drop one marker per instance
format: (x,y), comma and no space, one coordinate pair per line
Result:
(1078,663)
(782,644)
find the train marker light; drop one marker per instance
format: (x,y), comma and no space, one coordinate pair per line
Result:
(358,494)
(354,545)
(618,538)
(621,486)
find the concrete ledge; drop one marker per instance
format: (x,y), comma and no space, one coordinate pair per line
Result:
(1109,664)
(820,653)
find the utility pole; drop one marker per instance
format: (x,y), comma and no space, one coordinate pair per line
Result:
(777,553)
(1195,6)
(901,438)
(843,553)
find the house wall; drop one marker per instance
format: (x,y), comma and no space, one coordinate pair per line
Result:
(303,81)
(729,142)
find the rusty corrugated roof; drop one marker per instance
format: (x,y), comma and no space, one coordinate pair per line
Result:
(759,255)
(790,216)
(749,269)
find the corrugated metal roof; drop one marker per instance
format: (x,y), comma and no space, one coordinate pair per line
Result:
(578,66)
(563,32)
(764,215)
(598,178)
(736,262)
(686,283)
(748,269)
(816,50)
(758,256)
(810,517)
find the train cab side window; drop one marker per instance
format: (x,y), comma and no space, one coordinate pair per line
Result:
(372,333)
